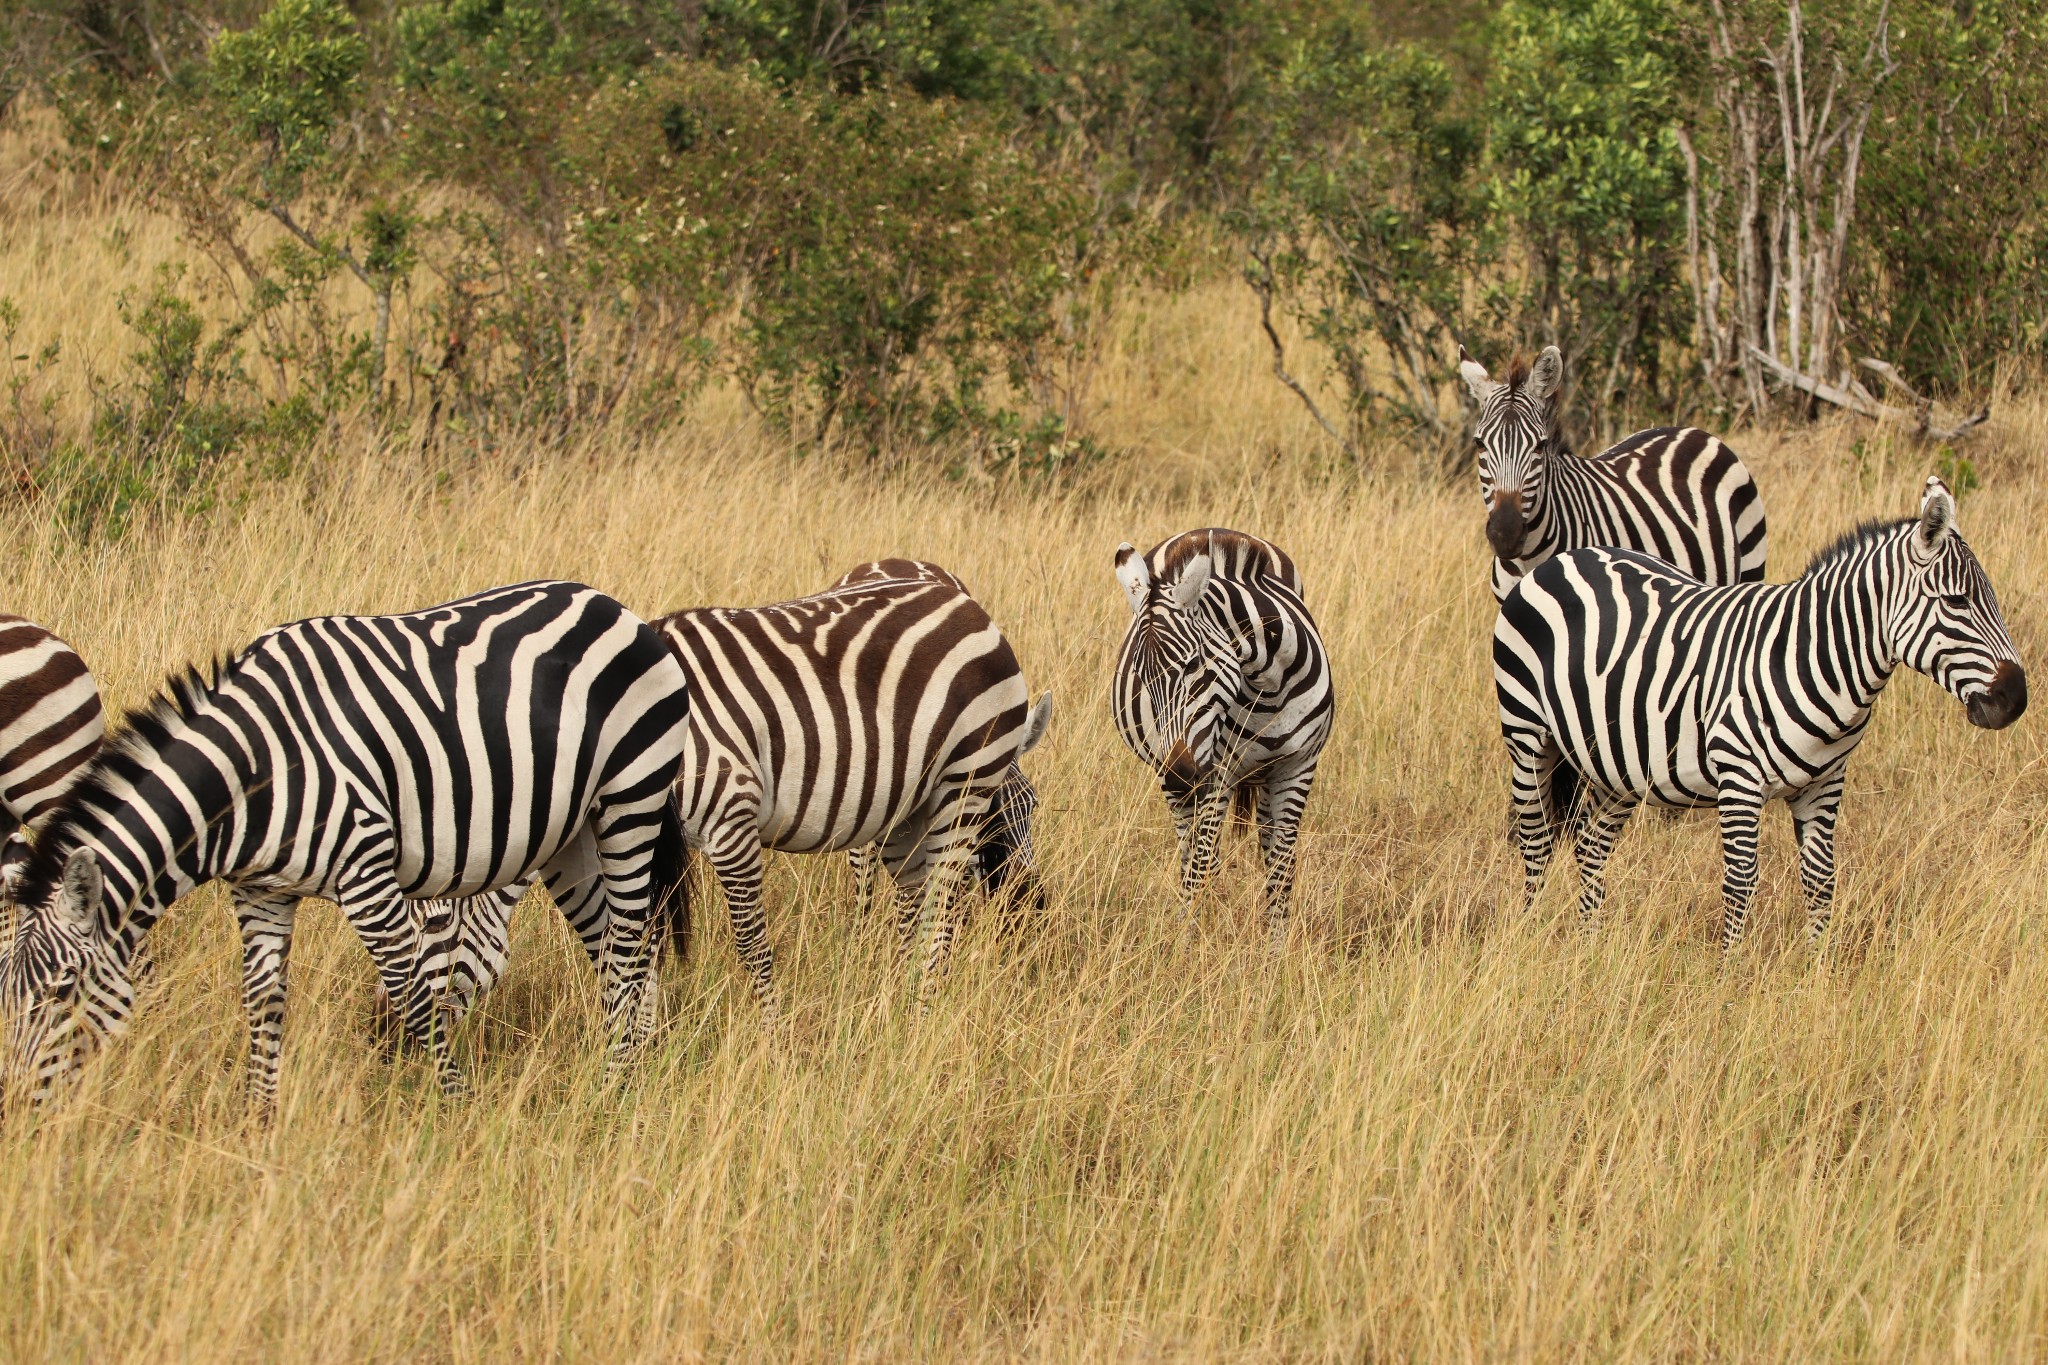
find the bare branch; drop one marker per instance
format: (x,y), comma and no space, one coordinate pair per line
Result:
(1918,417)
(1262,285)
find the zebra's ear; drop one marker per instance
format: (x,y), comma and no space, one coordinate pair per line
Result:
(1133,575)
(1035,723)
(1475,376)
(1545,375)
(78,896)
(1187,590)
(1937,519)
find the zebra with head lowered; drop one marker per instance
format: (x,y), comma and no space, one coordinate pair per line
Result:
(372,760)
(886,712)
(1673,492)
(1223,688)
(1005,862)
(1661,690)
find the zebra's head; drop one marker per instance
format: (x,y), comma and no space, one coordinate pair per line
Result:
(1515,433)
(1182,667)
(1946,622)
(57,974)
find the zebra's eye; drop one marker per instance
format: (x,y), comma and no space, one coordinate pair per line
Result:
(1955,601)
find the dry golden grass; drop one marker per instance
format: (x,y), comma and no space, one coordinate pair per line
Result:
(1438,1128)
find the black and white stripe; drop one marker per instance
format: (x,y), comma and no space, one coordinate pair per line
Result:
(1660,690)
(50,721)
(1673,492)
(1223,688)
(374,761)
(1005,861)
(885,712)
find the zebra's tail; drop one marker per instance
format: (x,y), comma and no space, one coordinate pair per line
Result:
(670,911)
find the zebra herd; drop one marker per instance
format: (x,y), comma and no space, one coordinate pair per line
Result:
(424,770)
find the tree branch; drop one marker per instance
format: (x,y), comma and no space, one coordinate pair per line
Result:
(1919,418)
(1262,285)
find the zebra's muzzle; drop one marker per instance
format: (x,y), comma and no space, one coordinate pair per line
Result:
(1180,774)
(1505,525)
(2003,701)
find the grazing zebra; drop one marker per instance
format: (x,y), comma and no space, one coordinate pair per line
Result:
(1673,492)
(1223,687)
(884,712)
(372,760)
(1662,690)
(50,721)
(1005,862)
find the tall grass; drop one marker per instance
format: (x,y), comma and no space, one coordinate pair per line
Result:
(1436,1128)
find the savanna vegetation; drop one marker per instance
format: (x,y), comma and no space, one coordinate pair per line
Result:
(312,307)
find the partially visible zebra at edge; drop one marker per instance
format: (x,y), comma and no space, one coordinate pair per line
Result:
(51,723)
(1005,861)
(1674,492)
(1660,690)
(1222,687)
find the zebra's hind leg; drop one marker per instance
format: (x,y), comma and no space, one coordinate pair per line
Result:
(266,926)
(1281,799)
(1605,815)
(1813,821)
(1741,809)
(930,863)
(733,845)
(862,861)
(1536,758)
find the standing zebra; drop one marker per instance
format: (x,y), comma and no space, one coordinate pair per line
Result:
(1005,862)
(884,712)
(1223,687)
(1673,492)
(372,760)
(50,721)
(1659,689)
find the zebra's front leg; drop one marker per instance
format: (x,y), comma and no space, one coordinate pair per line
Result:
(1604,819)
(1198,820)
(1281,800)
(1813,822)
(1535,758)
(266,926)
(734,849)
(862,861)
(1741,809)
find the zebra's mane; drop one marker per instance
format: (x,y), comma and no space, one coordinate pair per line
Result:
(123,757)
(1518,369)
(1867,532)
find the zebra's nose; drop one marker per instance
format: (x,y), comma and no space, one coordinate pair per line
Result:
(1504,525)
(1180,774)
(2004,701)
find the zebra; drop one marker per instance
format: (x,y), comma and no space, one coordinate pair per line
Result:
(1673,492)
(1662,690)
(51,723)
(1223,688)
(1005,862)
(883,712)
(372,760)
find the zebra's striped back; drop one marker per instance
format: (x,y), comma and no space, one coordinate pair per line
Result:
(370,760)
(50,719)
(1674,492)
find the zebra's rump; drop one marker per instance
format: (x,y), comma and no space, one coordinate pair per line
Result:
(51,723)
(841,716)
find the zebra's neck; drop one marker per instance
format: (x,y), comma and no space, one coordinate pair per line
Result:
(1843,607)
(161,823)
